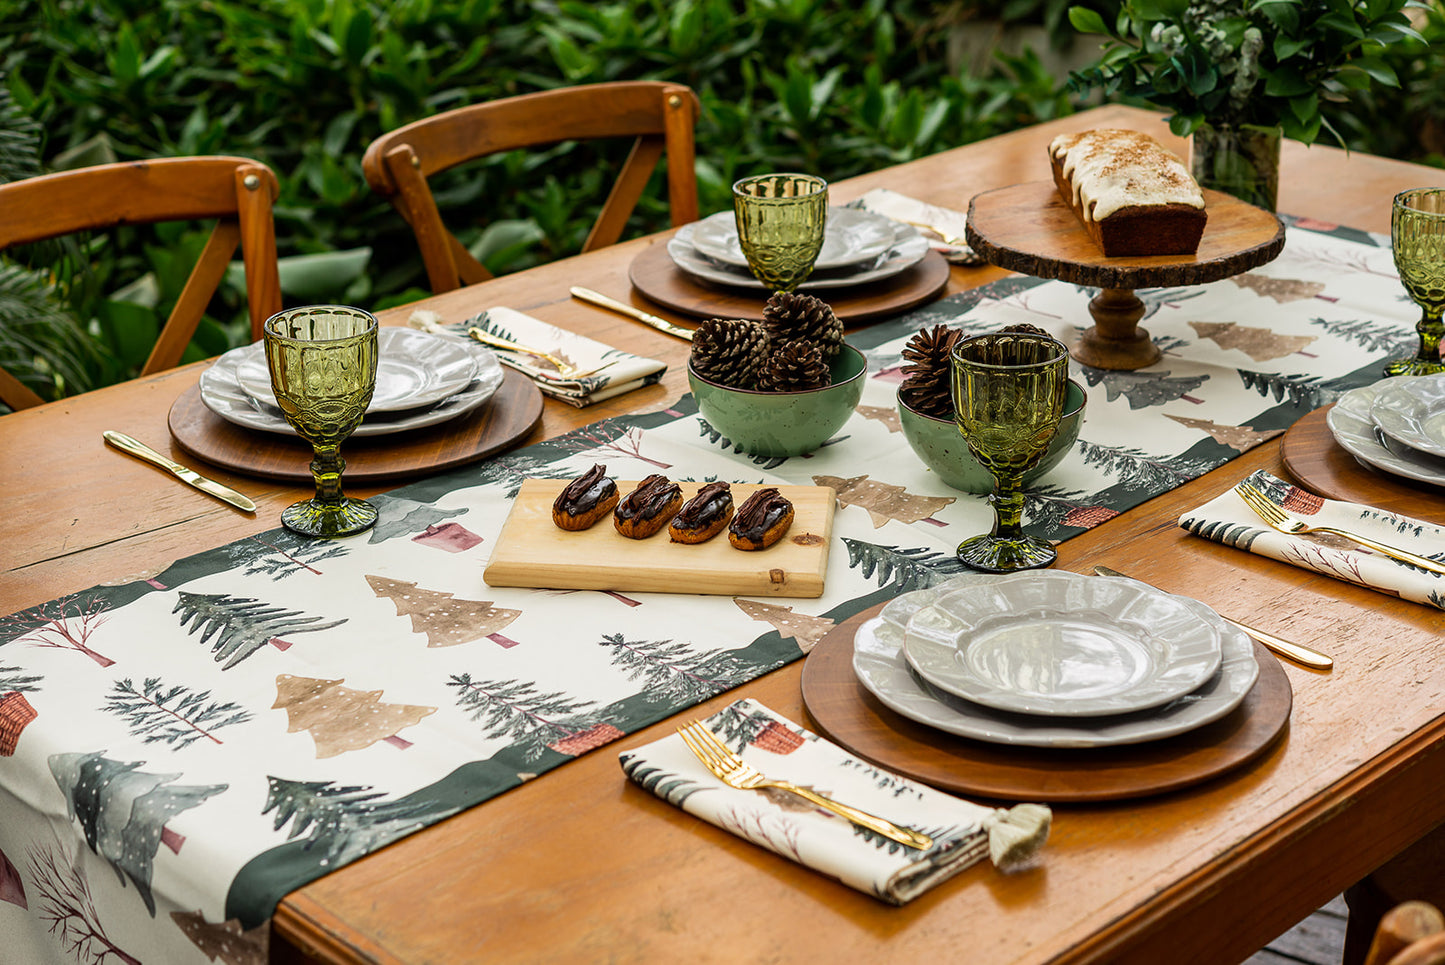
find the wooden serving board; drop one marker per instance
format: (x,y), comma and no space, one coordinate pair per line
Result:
(533,551)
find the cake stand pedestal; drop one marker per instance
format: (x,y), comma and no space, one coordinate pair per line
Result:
(1027,228)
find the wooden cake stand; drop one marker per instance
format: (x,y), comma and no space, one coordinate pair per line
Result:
(1027,228)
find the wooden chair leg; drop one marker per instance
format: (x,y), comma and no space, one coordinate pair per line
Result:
(1416,874)
(1402,926)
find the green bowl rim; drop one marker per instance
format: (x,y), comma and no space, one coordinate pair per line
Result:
(692,373)
(898,396)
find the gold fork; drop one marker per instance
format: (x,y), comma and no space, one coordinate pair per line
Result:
(734,772)
(947,237)
(564,368)
(1267,510)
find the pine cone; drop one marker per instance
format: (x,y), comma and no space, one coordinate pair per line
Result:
(927,386)
(794,367)
(790,317)
(729,351)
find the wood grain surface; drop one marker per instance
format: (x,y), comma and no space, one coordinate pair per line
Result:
(655,275)
(1312,456)
(498,424)
(531,550)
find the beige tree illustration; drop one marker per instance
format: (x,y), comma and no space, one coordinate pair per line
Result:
(225,940)
(1260,344)
(806,630)
(1280,289)
(1241,438)
(446,620)
(888,415)
(884,501)
(341,719)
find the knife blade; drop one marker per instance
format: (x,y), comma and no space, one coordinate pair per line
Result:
(602,301)
(186,475)
(1295,652)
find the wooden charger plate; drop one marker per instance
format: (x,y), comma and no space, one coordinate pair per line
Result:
(847,714)
(657,276)
(499,423)
(533,551)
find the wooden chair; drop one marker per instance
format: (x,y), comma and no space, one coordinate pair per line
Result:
(1411,933)
(660,115)
(238,192)
(1395,904)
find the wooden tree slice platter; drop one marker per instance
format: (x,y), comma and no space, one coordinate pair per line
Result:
(1320,464)
(847,714)
(500,423)
(656,275)
(533,551)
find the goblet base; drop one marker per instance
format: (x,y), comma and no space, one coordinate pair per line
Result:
(996,554)
(311,517)
(1414,366)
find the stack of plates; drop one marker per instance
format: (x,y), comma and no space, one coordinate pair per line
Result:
(1396,425)
(422,379)
(1054,659)
(859,247)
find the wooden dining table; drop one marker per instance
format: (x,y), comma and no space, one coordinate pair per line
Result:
(580,865)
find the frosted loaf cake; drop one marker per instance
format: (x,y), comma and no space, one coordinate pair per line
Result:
(1131,195)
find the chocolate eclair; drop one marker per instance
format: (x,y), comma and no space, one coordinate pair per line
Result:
(704,515)
(761,520)
(647,508)
(585,500)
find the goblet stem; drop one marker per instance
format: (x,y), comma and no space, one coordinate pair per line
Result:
(1427,361)
(1008,506)
(326,469)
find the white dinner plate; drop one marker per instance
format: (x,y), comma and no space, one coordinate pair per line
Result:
(1059,644)
(1353,428)
(223,395)
(853,236)
(908,249)
(883,670)
(413,370)
(1411,410)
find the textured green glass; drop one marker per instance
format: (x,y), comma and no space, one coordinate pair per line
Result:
(781,220)
(1008,392)
(1417,236)
(1241,161)
(323,370)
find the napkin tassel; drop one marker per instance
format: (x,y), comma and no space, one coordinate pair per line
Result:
(1015,835)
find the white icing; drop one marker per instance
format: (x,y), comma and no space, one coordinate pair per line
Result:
(1111,169)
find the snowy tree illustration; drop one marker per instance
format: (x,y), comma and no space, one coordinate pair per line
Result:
(1370,334)
(516,468)
(1047,508)
(673,671)
(806,630)
(531,719)
(280,554)
(18,678)
(225,941)
(171,713)
(1140,471)
(1143,389)
(12,887)
(902,569)
(123,810)
(445,620)
(67,908)
(66,623)
(888,415)
(241,625)
(706,430)
(341,719)
(1306,391)
(345,822)
(605,440)
(884,501)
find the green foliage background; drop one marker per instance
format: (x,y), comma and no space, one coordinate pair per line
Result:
(828,86)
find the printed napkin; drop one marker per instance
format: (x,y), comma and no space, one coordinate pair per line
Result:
(1226,519)
(612,371)
(782,822)
(945,221)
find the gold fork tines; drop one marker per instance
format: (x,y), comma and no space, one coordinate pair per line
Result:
(1269,511)
(564,368)
(735,772)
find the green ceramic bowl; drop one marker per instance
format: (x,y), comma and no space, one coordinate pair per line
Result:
(783,423)
(938,443)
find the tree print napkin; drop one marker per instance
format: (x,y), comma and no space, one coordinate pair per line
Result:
(613,370)
(945,221)
(1226,519)
(962,832)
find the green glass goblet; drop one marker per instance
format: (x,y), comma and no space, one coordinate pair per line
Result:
(781,220)
(1008,396)
(323,370)
(1417,237)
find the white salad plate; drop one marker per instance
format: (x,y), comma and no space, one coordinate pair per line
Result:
(1060,644)
(884,671)
(222,393)
(1412,411)
(413,370)
(852,236)
(907,250)
(1351,424)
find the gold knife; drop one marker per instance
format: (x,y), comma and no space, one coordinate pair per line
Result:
(125,443)
(1297,653)
(661,324)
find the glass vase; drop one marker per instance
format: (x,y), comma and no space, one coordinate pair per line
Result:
(1242,161)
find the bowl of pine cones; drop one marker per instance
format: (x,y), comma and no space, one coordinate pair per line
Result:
(779,387)
(925,410)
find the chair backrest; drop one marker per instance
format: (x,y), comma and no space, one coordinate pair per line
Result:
(661,116)
(1411,933)
(238,192)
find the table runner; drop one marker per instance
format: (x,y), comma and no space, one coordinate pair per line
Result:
(177,753)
